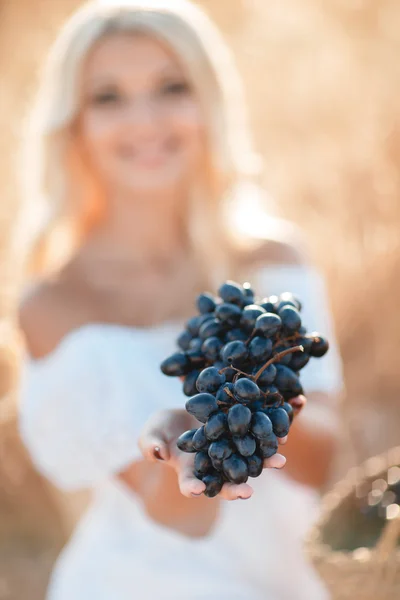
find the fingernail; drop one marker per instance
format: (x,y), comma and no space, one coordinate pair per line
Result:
(157,453)
(244,497)
(196,495)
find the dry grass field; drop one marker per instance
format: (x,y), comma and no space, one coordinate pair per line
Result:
(323,82)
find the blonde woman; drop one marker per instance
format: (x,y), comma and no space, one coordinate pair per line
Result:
(138,144)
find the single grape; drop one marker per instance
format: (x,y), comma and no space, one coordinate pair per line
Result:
(202,463)
(201,406)
(285,360)
(185,441)
(291,319)
(176,365)
(214,482)
(246,390)
(229,372)
(287,381)
(267,305)
(280,421)
(261,425)
(189,384)
(267,376)
(228,313)
(320,346)
(234,353)
(211,348)
(193,325)
(246,445)
(298,361)
(205,303)
(210,380)
(200,442)
(289,409)
(306,341)
(257,405)
(230,291)
(220,449)
(235,469)
(267,447)
(255,465)
(184,340)
(248,291)
(216,426)
(196,344)
(260,349)
(273,395)
(250,315)
(268,324)
(236,334)
(217,463)
(210,328)
(239,418)
(197,358)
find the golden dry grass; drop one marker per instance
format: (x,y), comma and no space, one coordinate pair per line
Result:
(322,81)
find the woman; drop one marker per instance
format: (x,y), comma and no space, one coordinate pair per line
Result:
(140,141)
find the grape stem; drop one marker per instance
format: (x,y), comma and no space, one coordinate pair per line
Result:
(277,357)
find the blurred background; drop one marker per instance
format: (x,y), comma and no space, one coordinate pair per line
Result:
(322,80)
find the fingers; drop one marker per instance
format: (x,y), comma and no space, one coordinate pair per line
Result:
(189,485)
(282,441)
(234,491)
(277,461)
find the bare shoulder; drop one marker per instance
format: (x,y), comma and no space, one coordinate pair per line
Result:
(47,313)
(283,244)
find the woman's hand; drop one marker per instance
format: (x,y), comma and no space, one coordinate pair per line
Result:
(158,442)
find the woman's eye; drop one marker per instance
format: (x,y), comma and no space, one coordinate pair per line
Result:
(105,98)
(175,88)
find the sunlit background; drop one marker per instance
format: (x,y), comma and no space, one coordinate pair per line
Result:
(323,83)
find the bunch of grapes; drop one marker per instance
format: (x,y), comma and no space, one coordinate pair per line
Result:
(240,358)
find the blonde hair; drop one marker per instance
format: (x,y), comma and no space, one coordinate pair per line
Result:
(203,53)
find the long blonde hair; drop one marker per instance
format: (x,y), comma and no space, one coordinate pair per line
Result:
(205,56)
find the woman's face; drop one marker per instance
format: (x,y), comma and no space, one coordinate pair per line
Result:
(140,125)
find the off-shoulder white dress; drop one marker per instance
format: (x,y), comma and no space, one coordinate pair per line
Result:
(82,409)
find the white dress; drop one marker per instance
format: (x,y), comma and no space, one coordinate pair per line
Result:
(81,413)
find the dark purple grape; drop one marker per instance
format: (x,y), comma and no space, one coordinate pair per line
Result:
(216,426)
(250,315)
(201,406)
(267,376)
(239,418)
(236,334)
(246,445)
(189,385)
(197,358)
(273,395)
(176,365)
(306,341)
(214,482)
(285,360)
(228,313)
(234,353)
(289,409)
(224,395)
(193,325)
(298,361)
(267,447)
(255,465)
(230,291)
(196,344)
(268,324)
(320,346)
(210,380)
(200,442)
(202,463)
(205,303)
(287,381)
(246,390)
(257,405)
(210,328)
(184,340)
(261,425)
(220,449)
(229,372)
(267,305)
(185,441)
(260,349)
(235,469)
(280,421)
(211,348)
(288,298)
(291,319)
(217,463)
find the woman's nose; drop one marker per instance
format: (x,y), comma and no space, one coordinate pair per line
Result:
(142,114)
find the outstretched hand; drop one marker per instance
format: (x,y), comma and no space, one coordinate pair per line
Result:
(158,443)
